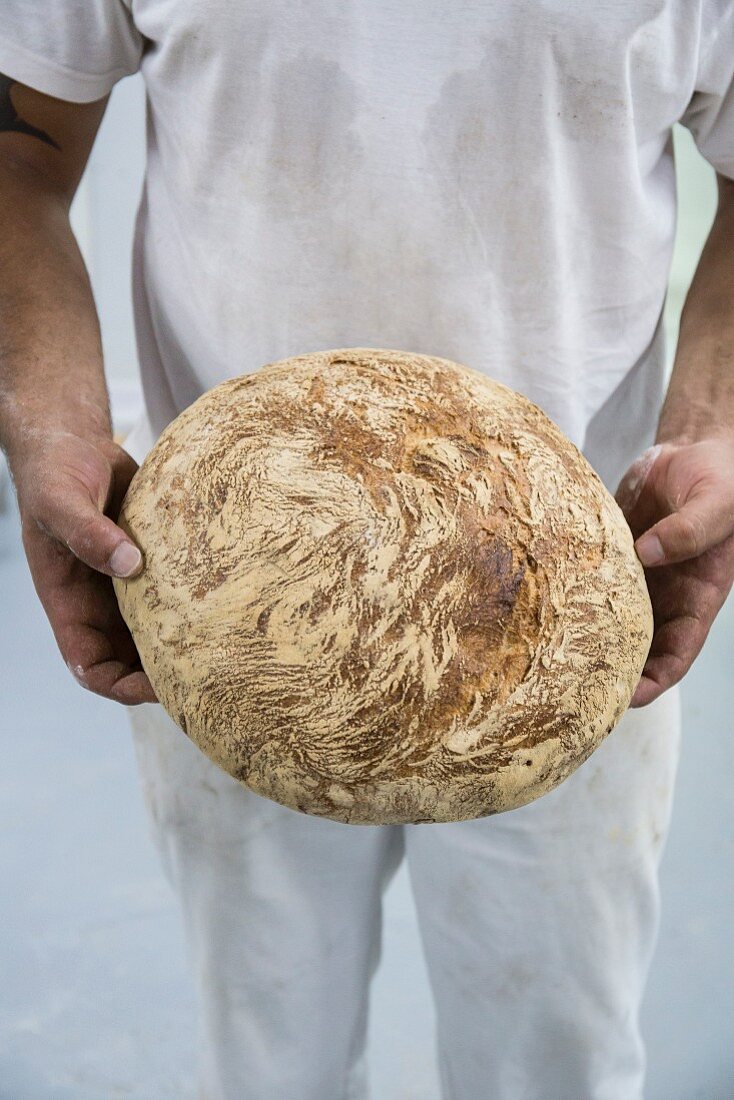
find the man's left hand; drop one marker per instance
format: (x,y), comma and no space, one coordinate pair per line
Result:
(678,499)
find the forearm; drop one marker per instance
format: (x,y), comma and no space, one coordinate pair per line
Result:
(51,372)
(699,403)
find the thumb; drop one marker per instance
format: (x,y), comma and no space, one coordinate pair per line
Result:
(75,520)
(700,524)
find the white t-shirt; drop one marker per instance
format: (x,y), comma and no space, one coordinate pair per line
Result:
(488,182)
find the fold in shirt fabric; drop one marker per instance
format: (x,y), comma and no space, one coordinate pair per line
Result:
(491,183)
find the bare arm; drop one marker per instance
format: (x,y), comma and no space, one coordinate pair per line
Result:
(679,496)
(55,424)
(699,403)
(50,352)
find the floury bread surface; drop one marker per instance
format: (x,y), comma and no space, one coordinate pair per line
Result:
(380,587)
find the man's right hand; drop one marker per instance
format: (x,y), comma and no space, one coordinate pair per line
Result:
(70,490)
(70,477)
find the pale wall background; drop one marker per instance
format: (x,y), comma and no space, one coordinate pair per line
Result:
(95,999)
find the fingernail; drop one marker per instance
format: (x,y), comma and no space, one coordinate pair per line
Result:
(650,550)
(125,559)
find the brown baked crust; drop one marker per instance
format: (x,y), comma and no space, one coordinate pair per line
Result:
(381,587)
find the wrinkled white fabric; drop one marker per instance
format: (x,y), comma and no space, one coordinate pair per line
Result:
(538,925)
(492,183)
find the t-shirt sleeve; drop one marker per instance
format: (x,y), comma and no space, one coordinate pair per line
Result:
(710,112)
(71,49)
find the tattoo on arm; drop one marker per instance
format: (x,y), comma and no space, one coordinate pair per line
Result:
(11,120)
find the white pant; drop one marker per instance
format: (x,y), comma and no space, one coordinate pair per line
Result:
(538,925)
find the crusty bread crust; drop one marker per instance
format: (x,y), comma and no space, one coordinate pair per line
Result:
(382,588)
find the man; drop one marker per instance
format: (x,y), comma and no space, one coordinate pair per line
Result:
(492,183)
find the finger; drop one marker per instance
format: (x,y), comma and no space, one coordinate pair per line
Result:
(104,660)
(133,689)
(674,648)
(702,523)
(633,482)
(115,680)
(646,692)
(86,621)
(94,538)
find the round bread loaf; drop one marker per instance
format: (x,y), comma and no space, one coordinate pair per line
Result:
(381,588)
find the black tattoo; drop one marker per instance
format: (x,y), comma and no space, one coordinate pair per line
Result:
(11,120)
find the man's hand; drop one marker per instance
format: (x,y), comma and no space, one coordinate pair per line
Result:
(70,490)
(679,502)
(54,407)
